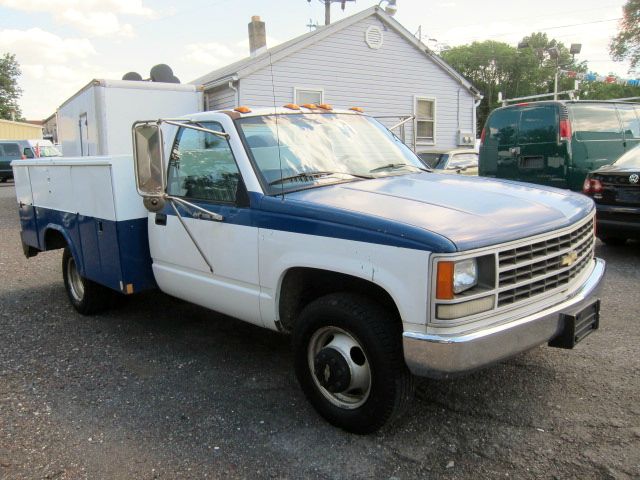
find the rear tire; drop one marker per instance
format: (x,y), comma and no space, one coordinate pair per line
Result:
(349,362)
(86,296)
(613,241)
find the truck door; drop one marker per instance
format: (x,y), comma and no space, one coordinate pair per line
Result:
(541,157)
(202,170)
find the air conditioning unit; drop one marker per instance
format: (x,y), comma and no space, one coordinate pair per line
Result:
(466,139)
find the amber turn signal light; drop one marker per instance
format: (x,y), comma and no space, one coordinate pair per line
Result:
(444,281)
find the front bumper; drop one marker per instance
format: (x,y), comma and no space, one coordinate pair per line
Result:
(441,356)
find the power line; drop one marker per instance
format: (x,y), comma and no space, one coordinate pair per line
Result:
(553,28)
(554,15)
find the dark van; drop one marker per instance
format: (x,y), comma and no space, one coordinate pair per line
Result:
(557,142)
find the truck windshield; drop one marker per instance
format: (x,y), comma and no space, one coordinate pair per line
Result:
(296,151)
(48,151)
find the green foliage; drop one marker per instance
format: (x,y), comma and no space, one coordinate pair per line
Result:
(606,91)
(494,67)
(9,90)
(626,45)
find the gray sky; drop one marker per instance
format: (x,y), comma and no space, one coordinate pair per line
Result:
(63,44)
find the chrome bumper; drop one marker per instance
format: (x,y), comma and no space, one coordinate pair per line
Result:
(441,356)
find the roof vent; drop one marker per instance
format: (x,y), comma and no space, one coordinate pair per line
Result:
(373,37)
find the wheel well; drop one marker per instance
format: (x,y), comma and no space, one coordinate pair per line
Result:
(53,240)
(301,286)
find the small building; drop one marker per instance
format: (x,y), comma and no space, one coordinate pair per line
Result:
(367,60)
(10,130)
(50,128)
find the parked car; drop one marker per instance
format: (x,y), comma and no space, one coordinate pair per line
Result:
(615,189)
(21,149)
(557,143)
(464,161)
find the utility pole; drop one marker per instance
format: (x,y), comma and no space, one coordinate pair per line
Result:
(327,8)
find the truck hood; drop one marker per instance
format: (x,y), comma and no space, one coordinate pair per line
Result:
(471,212)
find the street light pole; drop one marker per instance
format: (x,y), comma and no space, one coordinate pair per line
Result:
(555,81)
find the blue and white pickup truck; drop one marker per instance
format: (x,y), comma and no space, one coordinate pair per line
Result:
(322,224)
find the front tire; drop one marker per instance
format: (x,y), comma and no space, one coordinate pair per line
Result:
(349,362)
(86,296)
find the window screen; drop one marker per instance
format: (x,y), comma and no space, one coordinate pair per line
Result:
(202,166)
(308,96)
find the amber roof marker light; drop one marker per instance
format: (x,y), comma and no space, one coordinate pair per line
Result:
(310,106)
(357,109)
(292,106)
(242,109)
(325,106)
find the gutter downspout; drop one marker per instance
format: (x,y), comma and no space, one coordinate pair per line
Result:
(237,95)
(475,115)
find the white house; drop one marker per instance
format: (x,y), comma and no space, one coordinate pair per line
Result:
(367,60)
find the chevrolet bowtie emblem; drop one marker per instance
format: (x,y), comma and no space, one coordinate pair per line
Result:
(569,259)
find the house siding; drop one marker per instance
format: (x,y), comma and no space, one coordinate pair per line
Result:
(384,81)
(220,99)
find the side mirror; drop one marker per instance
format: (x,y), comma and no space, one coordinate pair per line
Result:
(148,155)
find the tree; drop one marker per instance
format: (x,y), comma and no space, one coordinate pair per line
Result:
(494,67)
(606,91)
(9,90)
(626,45)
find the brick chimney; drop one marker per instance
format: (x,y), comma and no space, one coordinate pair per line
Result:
(257,36)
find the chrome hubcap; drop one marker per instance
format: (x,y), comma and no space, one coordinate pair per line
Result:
(339,367)
(76,285)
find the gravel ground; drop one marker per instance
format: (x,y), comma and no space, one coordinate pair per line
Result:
(163,389)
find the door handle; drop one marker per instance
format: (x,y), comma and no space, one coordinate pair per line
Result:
(205,216)
(161,219)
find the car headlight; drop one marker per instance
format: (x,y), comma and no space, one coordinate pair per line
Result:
(455,277)
(465,275)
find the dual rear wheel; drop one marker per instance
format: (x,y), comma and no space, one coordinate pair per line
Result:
(86,296)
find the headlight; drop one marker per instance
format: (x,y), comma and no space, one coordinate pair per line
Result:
(455,277)
(465,275)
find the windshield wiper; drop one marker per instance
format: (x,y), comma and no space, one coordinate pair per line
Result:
(311,175)
(393,166)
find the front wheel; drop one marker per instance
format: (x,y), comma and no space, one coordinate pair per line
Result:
(86,296)
(349,362)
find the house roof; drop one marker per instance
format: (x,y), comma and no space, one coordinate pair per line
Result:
(248,65)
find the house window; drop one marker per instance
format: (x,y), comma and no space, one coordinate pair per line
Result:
(305,95)
(425,122)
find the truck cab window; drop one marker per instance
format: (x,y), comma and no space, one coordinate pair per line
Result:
(202,166)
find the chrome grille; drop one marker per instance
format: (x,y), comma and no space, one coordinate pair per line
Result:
(533,269)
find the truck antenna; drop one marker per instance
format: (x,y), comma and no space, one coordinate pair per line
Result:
(273,90)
